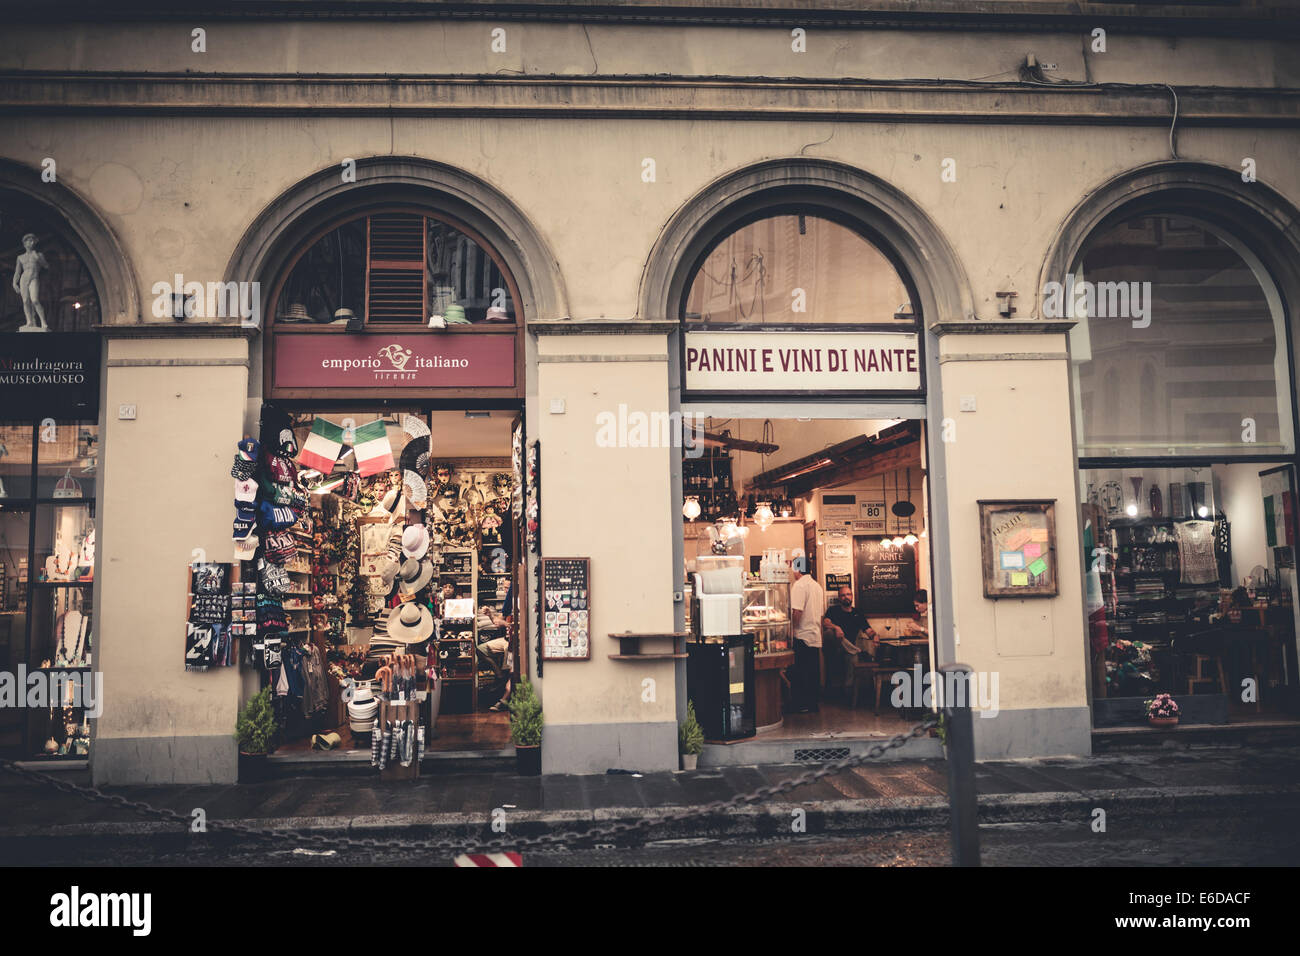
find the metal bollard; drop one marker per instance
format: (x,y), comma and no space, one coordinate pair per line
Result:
(960,737)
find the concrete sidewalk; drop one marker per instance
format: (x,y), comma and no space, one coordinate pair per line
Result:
(36,822)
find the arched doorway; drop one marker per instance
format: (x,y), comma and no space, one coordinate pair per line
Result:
(1183,287)
(803,292)
(394,353)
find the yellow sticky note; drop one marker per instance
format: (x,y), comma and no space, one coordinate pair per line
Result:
(1019,579)
(1038,534)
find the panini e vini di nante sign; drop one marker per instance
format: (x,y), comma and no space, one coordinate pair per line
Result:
(404,361)
(802,361)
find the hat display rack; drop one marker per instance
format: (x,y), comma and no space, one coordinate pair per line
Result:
(363,569)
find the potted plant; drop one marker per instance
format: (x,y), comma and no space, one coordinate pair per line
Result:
(690,736)
(1162,711)
(254,733)
(526,728)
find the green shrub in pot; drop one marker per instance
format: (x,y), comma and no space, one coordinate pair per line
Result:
(255,728)
(525,715)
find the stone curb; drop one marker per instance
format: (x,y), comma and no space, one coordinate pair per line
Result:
(830,816)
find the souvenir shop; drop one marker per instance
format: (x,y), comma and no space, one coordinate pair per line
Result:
(377,510)
(376,553)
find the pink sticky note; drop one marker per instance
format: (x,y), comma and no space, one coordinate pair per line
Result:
(1032,550)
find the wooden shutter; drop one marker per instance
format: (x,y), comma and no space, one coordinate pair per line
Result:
(395,286)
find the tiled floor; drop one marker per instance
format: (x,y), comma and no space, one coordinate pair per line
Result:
(838,720)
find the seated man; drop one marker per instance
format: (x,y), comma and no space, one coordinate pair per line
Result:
(842,626)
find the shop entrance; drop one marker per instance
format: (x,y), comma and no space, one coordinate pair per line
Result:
(399,578)
(822,523)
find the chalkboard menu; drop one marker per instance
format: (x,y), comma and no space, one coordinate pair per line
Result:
(886,576)
(566,609)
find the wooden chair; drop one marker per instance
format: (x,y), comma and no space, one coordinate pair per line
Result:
(1203,648)
(1201,677)
(874,672)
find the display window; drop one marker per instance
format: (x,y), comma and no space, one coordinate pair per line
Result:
(397,267)
(1191,589)
(796,269)
(808,539)
(47,573)
(376,578)
(1179,345)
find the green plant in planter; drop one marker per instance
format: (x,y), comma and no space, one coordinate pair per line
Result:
(690,735)
(525,715)
(255,728)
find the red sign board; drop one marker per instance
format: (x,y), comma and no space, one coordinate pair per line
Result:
(377,361)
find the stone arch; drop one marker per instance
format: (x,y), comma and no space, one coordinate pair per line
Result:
(278,231)
(1256,214)
(890,218)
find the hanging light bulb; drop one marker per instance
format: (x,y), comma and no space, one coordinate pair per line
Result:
(886,543)
(763,516)
(898,541)
(787,507)
(691,509)
(910,538)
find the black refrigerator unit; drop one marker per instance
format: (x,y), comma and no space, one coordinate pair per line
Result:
(720,680)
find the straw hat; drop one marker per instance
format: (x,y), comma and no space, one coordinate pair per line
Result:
(414,576)
(410,623)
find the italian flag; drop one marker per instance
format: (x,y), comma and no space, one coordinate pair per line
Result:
(374,453)
(321,449)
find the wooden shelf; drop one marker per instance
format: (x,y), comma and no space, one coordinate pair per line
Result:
(630,646)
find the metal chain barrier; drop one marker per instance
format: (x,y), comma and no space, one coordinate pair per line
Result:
(501,844)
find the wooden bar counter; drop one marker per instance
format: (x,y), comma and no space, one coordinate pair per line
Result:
(768,668)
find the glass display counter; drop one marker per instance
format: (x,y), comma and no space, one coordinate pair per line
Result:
(765,613)
(765,618)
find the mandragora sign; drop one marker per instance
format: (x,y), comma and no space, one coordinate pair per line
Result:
(802,361)
(55,374)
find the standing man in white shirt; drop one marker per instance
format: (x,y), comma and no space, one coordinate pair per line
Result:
(807,607)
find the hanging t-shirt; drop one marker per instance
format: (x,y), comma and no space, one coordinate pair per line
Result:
(1196,552)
